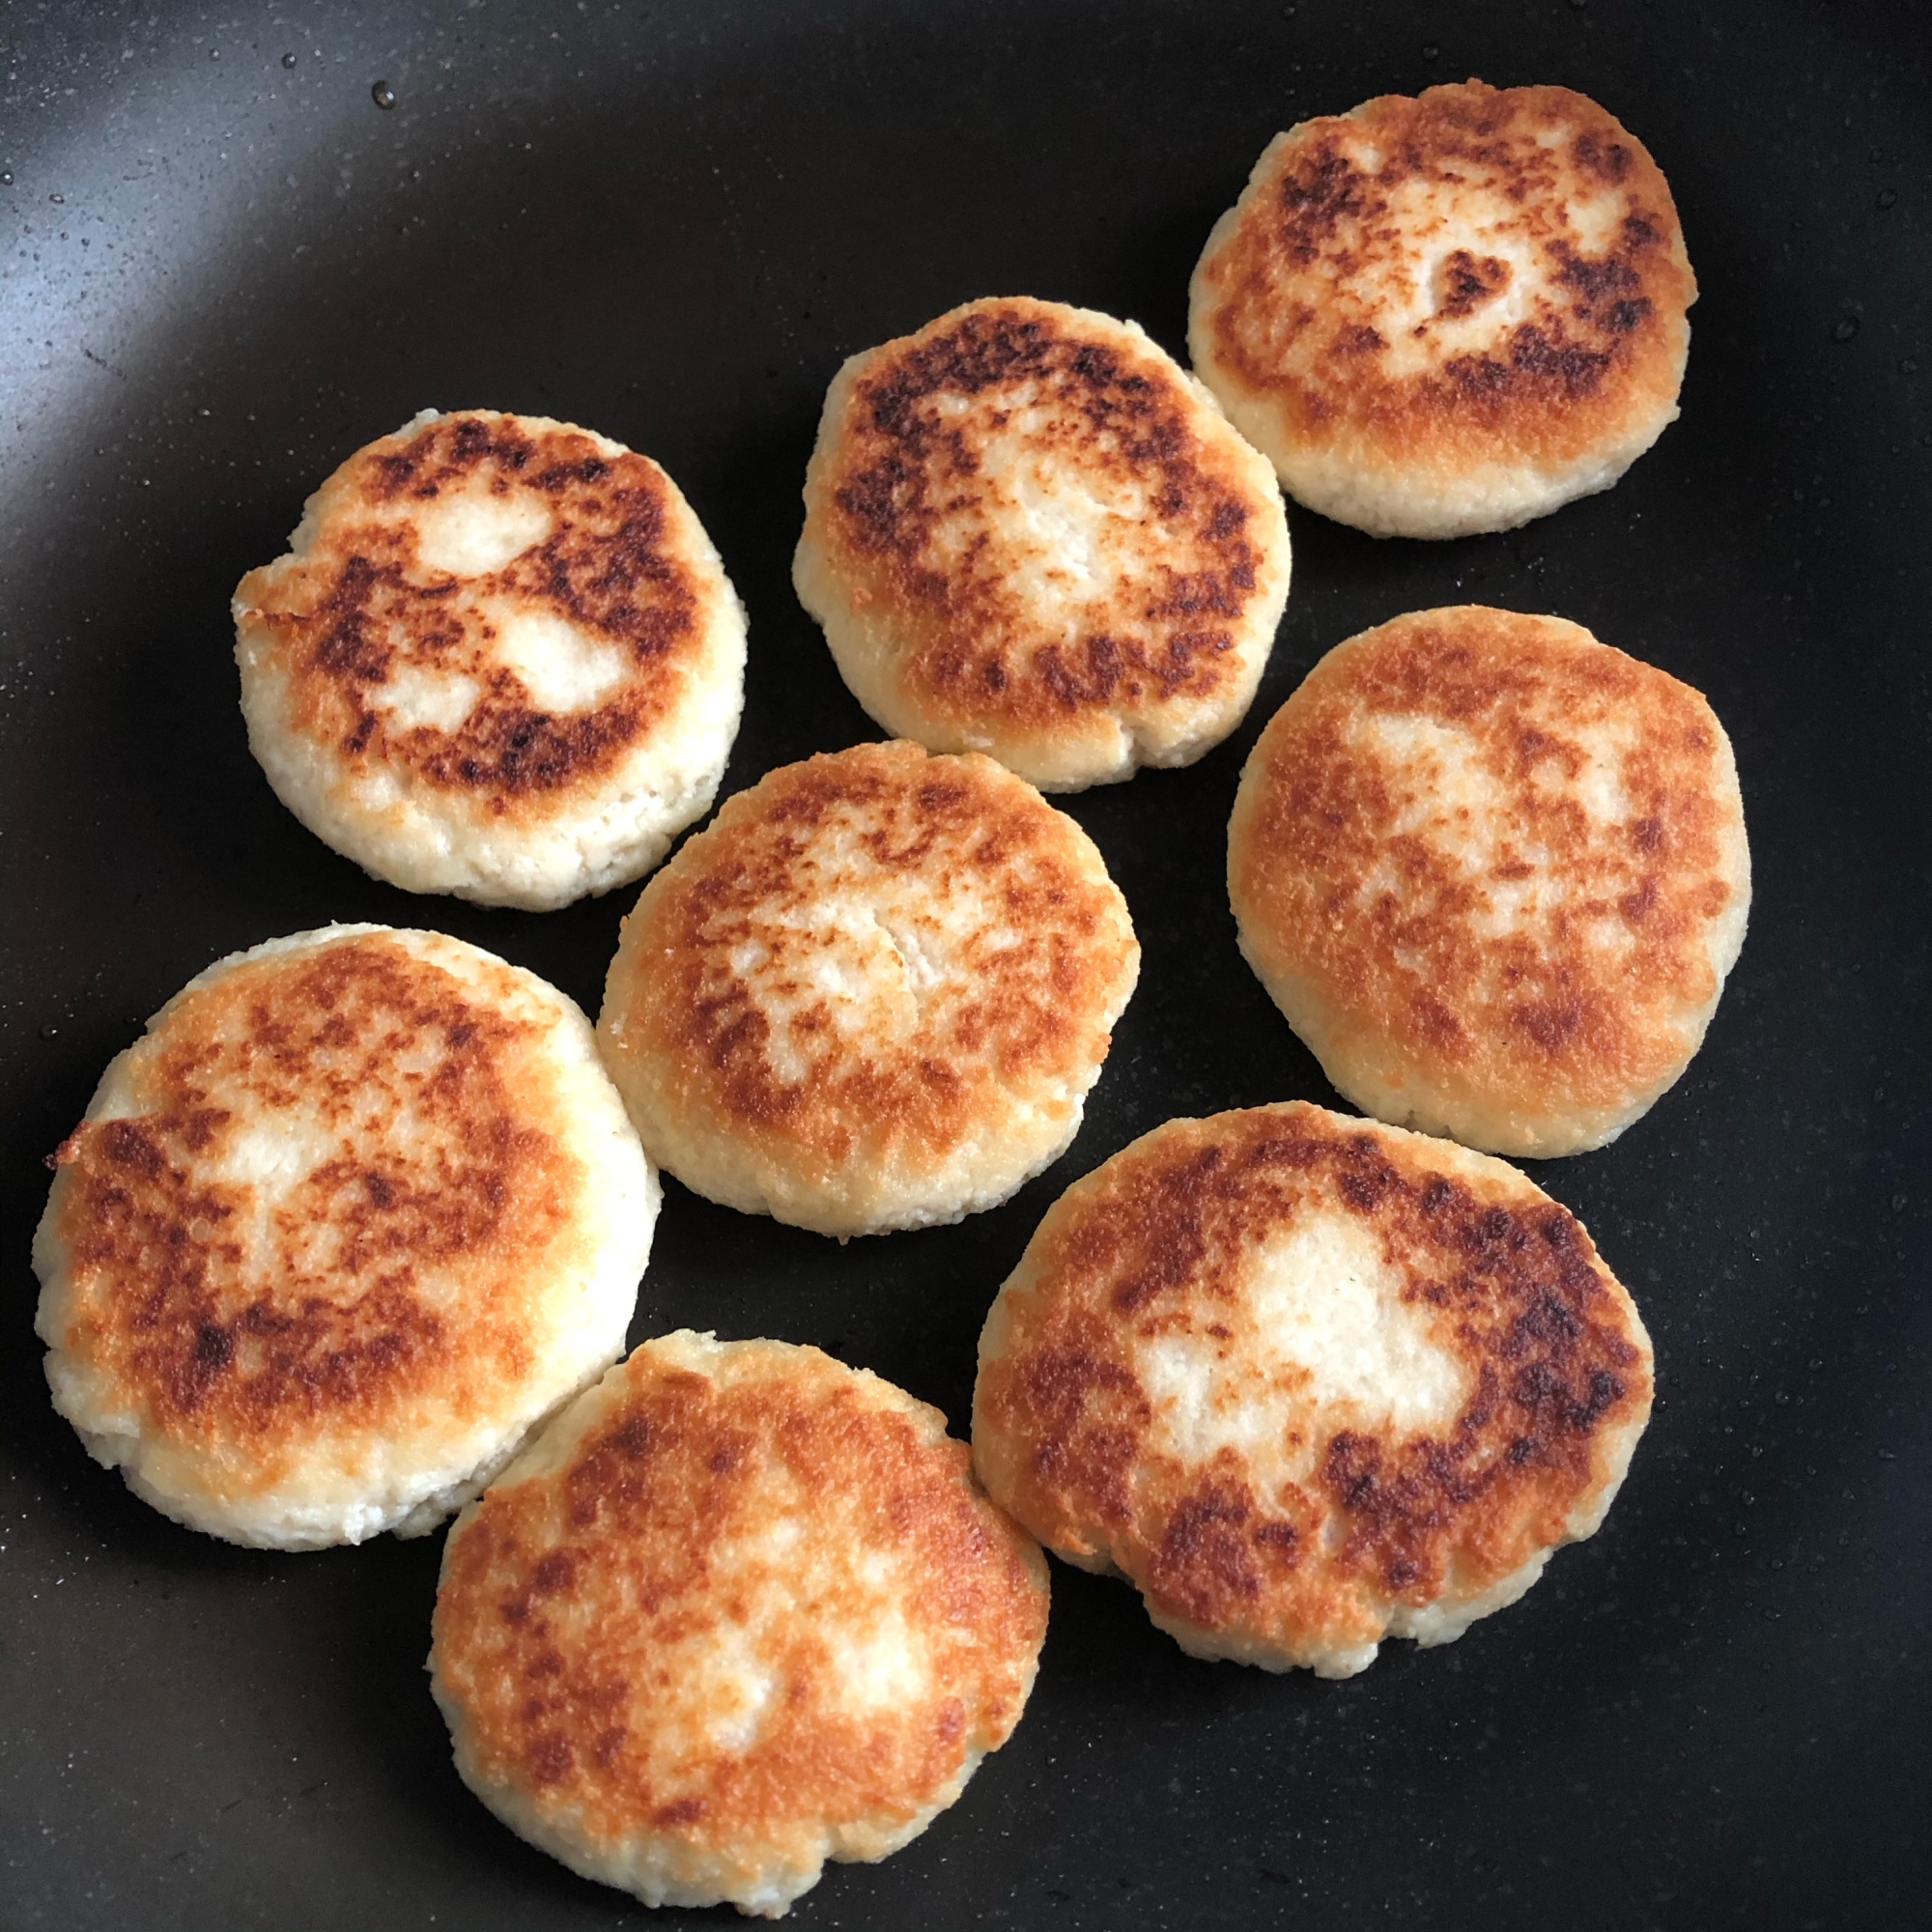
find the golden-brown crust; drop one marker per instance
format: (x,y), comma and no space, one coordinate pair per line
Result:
(953,855)
(390,1279)
(359,607)
(1156,1244)
(1544,359)
(1524,904)
(579,1606)
(909,518)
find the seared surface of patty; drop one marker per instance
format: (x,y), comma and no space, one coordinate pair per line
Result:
(1448,314)
(1494,872)
(1309,1381)
(501,660)
(356,1211)
(1028,533)
(873,994)
(741,1609)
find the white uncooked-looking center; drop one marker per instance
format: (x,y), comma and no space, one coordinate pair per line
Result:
(564,668)
(1404,289)
(1320,1325)
(727,1683)
(468,533)
(1447,795)
(871,951)
(1066,533)
(414,696)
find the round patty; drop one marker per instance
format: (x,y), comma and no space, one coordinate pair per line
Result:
(1309,1382)
(1030,532)
(741,1609)
(501,660)
(1448,314)
(357,1210)
(1494,872)
(872,995)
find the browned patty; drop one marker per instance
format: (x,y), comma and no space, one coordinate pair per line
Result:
(1495,872)
(334,1324)
(872,993)
(1338,303)
(1151,1396)
(357,1211)
(925,498)
(742,1610)
(359,607)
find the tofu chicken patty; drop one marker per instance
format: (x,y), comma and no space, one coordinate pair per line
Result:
(358,1211)
(1309,1382)
(872,994)
(1448,314)
(1030,532)
(1495,873)
(741,1609)
(501,660)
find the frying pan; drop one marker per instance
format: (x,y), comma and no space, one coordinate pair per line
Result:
(227,266)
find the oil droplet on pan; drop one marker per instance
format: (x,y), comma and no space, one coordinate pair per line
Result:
(383,95)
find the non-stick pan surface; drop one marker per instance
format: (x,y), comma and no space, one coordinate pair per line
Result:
(226,267)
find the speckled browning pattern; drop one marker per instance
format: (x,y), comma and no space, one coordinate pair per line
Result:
(937,451)
(1486,861)
(359,607)
(1432,285)
(879,985)
(1305,1545)
(334,1218)
(744,1609)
